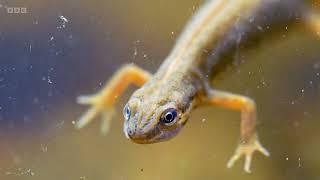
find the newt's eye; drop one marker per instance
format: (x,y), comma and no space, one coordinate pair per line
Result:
(169,116)
(126,112)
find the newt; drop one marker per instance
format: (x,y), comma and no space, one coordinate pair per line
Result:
(162,104)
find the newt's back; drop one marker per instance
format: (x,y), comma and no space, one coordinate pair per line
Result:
(220,27)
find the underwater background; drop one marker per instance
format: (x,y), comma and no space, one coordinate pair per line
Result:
(53,51)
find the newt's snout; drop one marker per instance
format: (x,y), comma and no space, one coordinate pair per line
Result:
(140,136)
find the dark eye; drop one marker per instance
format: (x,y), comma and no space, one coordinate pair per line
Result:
(169,116)
(126,112)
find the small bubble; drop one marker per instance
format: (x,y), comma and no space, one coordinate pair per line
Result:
(36,100)
(299,160)
(26,119)
(44,148)
(316,65)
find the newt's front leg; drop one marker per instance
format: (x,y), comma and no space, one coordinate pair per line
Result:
(103,102)
(249,141)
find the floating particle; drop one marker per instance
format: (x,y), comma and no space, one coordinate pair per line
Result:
(299,160)
(64,19)
(64,22)
(43,148)
(49,80)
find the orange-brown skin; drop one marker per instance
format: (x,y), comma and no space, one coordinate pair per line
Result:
(161,106)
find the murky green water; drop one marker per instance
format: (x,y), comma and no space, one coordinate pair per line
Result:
(59,50)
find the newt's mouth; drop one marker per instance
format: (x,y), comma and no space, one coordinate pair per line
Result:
(155,136)
(155,139)
(141,137)
(142,141)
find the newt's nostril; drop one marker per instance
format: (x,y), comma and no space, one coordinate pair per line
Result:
(130,132)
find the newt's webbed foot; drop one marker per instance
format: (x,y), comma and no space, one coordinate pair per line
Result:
(98,107)
(247,149)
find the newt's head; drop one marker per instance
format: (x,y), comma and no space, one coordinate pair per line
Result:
(157,115)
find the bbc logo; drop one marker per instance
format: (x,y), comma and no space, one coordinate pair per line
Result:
(16,10)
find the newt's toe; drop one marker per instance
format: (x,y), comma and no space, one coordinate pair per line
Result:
(247,150)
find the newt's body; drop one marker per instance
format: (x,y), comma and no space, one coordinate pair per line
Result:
(161,106)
